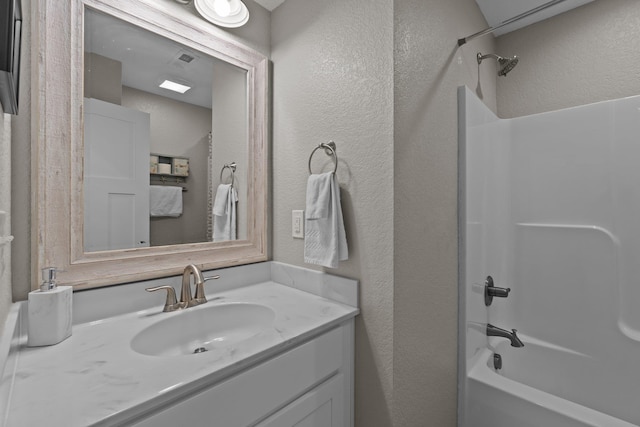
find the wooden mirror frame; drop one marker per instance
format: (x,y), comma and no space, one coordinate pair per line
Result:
(58,146)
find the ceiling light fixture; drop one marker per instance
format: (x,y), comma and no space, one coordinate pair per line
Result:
(224,13)
(176,87)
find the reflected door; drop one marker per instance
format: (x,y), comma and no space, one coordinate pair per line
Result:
(116,177)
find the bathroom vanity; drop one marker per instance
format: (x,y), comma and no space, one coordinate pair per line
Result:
(273,346)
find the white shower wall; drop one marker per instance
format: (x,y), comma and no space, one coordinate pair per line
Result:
(553,212)
(487,210)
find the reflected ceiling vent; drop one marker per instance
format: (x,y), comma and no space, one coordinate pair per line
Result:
(186,58)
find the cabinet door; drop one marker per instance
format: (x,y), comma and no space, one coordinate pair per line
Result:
(321,407)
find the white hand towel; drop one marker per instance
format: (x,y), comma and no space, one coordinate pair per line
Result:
(224,213)
(165,201)
(220,201)
(325,241)
(318,196)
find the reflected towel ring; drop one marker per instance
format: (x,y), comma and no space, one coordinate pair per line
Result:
(232,167)
(330,150)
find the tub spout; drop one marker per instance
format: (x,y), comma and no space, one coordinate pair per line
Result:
(494,331)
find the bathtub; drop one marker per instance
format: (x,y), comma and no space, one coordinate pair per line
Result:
(543,385)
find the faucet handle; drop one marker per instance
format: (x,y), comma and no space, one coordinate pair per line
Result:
(490,291)
(171,303)
(200,297)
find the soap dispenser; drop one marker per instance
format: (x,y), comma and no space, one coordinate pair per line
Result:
(49,311)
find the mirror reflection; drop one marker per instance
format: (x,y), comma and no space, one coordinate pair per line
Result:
(165,141)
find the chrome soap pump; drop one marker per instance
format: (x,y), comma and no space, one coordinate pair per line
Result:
(50,311)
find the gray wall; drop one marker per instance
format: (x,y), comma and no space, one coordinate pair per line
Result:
(334,78)
(5,218)
(21,169)
(586,55)
(428,70)
(102,78)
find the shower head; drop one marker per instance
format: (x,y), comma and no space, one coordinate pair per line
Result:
(505,64)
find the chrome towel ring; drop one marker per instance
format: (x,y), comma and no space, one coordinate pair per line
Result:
(330,150)
(232,167)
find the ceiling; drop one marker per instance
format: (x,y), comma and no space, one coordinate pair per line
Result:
(496,11)
(269,4)
(148,59)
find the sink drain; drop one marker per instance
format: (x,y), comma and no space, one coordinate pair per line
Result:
(199,350)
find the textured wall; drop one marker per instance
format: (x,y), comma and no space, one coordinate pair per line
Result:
(332,76)
(428,69)
(333,80)
(585,55)
(21,169)
(5,216)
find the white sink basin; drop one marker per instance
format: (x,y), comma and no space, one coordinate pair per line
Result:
(200,329)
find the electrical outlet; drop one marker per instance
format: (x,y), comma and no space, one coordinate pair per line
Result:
(297,224)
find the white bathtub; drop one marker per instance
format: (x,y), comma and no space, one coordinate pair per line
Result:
(542,385)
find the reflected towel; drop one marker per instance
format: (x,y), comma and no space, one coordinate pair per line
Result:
(224,213)
(165,201)
(325,241)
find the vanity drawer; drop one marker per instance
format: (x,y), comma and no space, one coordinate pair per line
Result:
(258,392)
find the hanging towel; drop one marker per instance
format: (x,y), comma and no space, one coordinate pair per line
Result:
(224,213)
(325,242)
(165,201)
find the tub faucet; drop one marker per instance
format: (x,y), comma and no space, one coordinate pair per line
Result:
(494,331)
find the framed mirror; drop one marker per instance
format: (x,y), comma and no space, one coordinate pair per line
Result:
(134,180)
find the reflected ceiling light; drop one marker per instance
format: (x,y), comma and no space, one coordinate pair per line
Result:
(225,13)
(176,87)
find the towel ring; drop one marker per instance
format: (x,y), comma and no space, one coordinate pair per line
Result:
(330,150)
(232,167)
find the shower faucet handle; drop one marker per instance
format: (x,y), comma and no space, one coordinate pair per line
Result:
(491,291)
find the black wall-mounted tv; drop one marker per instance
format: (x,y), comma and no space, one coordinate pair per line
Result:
(10,36)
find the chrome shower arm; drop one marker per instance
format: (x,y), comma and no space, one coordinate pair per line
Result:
(488,55)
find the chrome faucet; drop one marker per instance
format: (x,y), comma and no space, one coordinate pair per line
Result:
(185,293)
(186,298)
(494,331)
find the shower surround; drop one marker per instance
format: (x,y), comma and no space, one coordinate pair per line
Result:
(550,207)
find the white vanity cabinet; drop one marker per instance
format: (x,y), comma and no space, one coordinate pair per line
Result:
(321,407)
(296,370)
(310,385)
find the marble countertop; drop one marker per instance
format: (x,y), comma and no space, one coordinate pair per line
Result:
(95,378)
